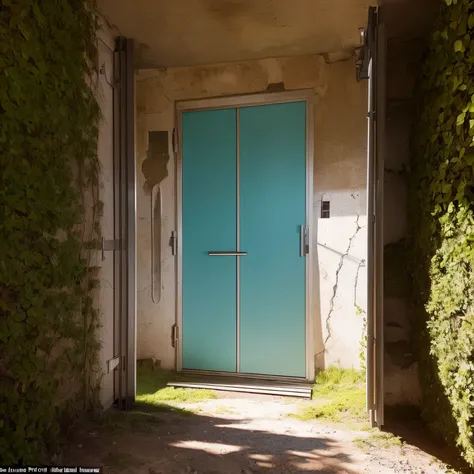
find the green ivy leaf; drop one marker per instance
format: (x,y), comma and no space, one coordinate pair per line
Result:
(460,119)
(459,46)
(470,21)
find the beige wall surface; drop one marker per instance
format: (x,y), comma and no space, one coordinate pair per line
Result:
(339,243)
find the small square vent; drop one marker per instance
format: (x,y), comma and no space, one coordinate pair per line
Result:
(325,209)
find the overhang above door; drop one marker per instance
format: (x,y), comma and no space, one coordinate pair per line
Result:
(194,32)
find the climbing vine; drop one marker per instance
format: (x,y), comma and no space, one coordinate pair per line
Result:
(49,213)
(442,223)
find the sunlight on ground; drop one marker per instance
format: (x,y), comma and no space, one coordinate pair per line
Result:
(206,446)
(259,434)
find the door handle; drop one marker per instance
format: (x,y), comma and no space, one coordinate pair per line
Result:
(304,241)
(227,254)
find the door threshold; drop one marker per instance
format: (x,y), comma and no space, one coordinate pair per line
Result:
(280,378)
(235,383)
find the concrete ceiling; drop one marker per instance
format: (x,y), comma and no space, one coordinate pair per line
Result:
(191,32)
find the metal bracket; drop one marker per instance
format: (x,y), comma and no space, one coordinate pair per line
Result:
(174,335)
(113,364)
(108,245)
(173,242)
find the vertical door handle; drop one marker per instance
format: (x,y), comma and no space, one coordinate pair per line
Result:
(304,241)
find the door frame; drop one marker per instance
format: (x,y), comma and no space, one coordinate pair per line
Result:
(307,96)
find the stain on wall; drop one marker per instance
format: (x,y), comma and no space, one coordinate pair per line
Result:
(155,170)
(155,165)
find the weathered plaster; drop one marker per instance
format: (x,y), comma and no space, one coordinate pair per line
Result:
(192,32)
(339,280)
(155,165)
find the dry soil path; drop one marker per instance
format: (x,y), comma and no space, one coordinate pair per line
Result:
(239,434)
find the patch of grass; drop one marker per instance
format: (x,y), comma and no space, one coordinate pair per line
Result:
(378,439)
(121,460)
(341,407)
(177,395)
(152,391)
(150,381)
(334,379)
(338,396)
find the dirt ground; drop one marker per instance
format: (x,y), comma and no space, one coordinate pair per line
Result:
(239,434)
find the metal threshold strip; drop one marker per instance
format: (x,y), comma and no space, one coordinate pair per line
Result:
(239,384)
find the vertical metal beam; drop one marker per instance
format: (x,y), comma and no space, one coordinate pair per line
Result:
(125,212)
(122,401)
(375,179)
(380,108)
(131,354)
(178,156)
(370,248)
(237,113)
(117,234)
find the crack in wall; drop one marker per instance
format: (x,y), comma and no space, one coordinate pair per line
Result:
(336,283)
(356,283)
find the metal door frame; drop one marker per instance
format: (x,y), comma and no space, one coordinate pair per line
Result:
(372,67)
(124,242)
(307,96)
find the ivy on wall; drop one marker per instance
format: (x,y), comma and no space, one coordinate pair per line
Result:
(48,184)
(442,224)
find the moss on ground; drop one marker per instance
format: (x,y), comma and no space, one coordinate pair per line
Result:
(338,396)
(378,439)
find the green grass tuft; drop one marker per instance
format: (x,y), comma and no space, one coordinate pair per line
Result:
(335,379)
(343,406)
(153,391)
(378,439)
(338,396)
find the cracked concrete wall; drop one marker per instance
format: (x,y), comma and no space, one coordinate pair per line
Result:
(339,280)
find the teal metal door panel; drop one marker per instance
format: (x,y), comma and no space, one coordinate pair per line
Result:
(272,209)
(209,224)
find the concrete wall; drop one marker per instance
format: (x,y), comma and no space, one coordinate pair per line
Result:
(339,176)
(407,23)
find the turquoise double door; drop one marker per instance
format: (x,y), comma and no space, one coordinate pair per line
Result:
(243,269)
